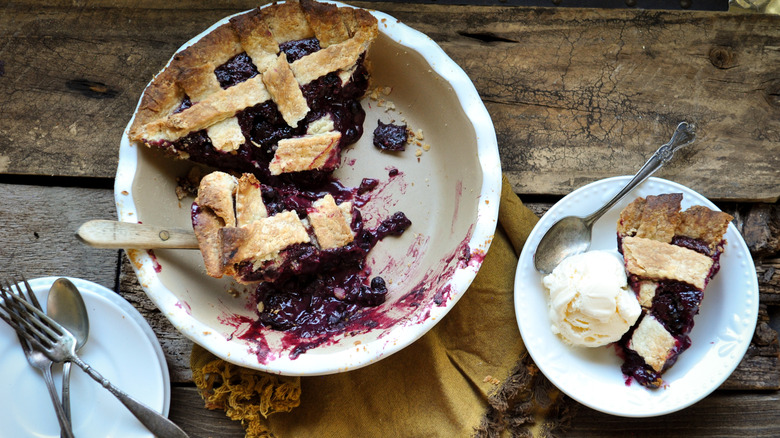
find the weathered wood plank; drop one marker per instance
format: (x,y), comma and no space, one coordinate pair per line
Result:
(575,95)
(39,233)
(176,346)
(768,272)
(713,416)
(722,414)
(189,413)
(580,95)
(761,229)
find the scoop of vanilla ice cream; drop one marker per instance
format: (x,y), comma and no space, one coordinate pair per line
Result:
(590,302)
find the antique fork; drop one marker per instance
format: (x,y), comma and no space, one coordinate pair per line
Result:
(41,362)
(49,337)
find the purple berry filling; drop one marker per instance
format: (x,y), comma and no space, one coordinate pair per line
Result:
(263,125)
(367,185)
(328,286)
(389,137)
(296,50)
(237,69)
(185,103)
(675,305)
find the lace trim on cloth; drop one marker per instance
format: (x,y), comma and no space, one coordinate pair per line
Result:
(526,405)
(245,395)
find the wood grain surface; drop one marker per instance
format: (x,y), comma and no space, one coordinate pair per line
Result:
(575,94)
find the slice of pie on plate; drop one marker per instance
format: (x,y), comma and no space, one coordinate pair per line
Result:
(670,256)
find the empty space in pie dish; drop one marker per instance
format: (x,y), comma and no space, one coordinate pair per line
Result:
(449,190)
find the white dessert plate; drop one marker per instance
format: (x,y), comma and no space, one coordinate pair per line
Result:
(450,192)
(721,334)
(121,346)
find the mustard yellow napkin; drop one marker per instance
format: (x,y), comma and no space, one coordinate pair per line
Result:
(470,375)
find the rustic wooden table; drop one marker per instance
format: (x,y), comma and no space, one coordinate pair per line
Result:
(575,94)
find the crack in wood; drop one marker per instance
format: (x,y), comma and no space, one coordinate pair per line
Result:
(97,90)
(486,37)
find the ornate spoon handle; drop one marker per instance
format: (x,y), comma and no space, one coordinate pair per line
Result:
(153,420)
(684,135)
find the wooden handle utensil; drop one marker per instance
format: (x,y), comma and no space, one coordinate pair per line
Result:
(114,234)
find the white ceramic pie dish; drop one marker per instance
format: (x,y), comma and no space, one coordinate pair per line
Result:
(451,194)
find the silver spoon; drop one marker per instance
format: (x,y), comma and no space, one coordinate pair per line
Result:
(571,235)
(66,306)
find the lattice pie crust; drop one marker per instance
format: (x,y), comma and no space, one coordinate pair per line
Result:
(233,227)
(344,35)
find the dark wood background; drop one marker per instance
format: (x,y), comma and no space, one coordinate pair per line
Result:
(575,95)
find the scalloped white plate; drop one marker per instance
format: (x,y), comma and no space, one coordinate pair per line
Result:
(451,194)
(121,346)
(721,335)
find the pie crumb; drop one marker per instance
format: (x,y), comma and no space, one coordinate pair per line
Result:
(188,185)
(492,380)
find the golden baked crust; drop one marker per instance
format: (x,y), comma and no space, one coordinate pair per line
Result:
(344,35)
(284,90)
(331,222)
(670,256)
(653,342)
(659,218)
(216,193)
(709,226)
(655,217)
(206,227)
(320,16)
(646,293)
(249,200)
(650,259)
(226,135)
(304,153)
(263,239)
(647,227)
(233,227)
(215,211)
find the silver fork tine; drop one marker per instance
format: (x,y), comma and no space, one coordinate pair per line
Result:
(35,325)
(39,338)
(37,357)
(32,298)
(12,316)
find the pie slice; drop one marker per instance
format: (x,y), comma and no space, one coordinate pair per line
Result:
(275,92)
(306,251)
(670,256)
(239,237)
